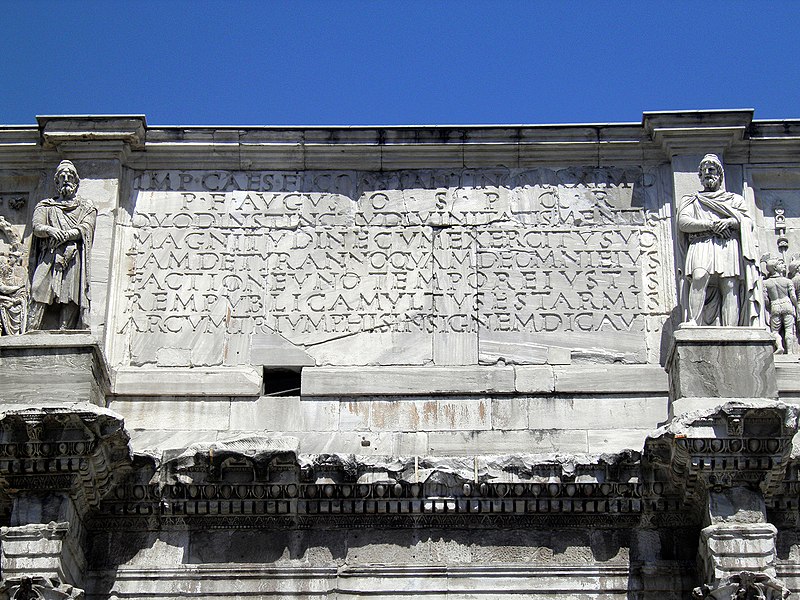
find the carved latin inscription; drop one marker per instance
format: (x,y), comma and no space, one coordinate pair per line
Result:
(316,256)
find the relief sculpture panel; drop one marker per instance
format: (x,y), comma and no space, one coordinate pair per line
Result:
(456,267)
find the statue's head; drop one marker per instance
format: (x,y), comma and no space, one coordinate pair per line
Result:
(67,179)
(711,172)
(775,266)
(794,266)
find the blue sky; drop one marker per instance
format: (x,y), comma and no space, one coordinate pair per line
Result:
(389,63)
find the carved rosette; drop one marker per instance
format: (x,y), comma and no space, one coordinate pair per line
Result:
(77,452)
(38,588)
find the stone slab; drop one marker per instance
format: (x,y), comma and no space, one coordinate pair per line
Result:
(49,339)
(510,413)
(575,379)
(685,405)
(285,413)
(459,443)
(493,348)
(411,414)
(368,443)
(787,373)
(721,335)
(155,441)
(271,349)
(174,413)
(534,379)
(329,381)
(616,440)
(597,412)
(373,348)
(455,348)
(230,381)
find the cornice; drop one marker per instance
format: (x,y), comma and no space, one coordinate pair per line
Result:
(272,487)
(79,450)
(740,443)
(697,132)
(93,137)
(658,137)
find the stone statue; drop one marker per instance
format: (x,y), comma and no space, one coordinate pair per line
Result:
(718,250)
(780,298)
(63,229)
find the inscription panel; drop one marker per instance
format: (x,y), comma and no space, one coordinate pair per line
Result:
(468,265)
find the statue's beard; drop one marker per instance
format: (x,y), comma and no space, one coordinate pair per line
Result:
(711,183)
(67,190)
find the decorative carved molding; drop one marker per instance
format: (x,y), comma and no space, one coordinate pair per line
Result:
(737,444)
(79,452)
(38,588)
(211,487)
(746,585)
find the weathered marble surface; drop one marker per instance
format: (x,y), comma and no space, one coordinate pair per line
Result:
(456,327)
(46,367)
(403,425)
(707,364)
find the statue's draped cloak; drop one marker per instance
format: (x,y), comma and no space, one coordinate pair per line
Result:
(728,205)
(62,272)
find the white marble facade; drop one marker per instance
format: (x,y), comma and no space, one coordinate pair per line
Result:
(433,361)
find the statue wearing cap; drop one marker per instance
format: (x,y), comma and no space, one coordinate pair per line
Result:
(719,255)
(63,229)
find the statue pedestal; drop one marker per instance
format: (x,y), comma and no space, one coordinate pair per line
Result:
(709,365)
(52,367)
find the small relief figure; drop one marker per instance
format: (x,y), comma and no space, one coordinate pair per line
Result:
(780,298)
(793,273)
(13,297)
(13,281)
(63,229)
(718,253)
